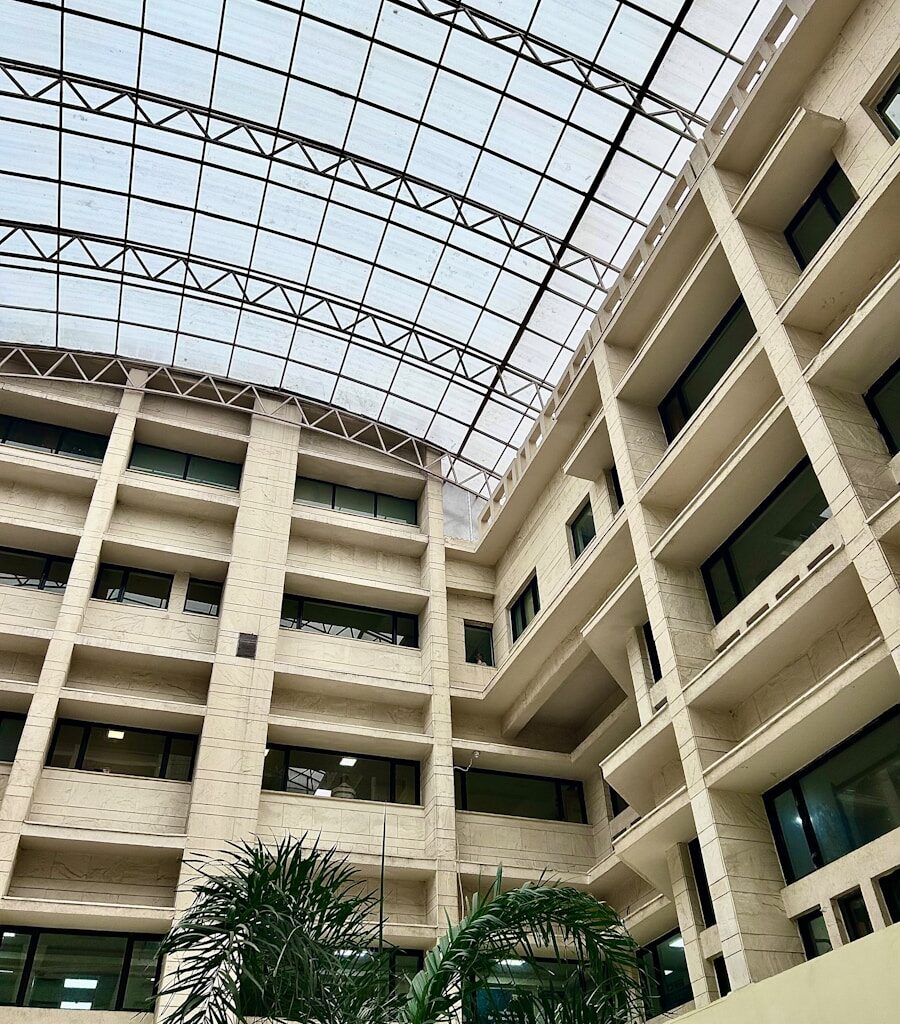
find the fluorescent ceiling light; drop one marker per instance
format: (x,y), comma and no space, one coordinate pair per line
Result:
(115,734)
(511,962)
(677,942)
(348,762)
(323,792)
(69,1005)
(89,983)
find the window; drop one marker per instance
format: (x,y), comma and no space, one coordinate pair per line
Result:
(479,642)
(723,982)
(888,107)
(133,586)
(790,515)
(47,437)
(11,726)
(652,653)
(617,803)
(582,528)
(349,620)
(814,223)
(855,915)
(514,982)
(341,776)
(664,974)
(706,369)
(615,489)
(883,400)
(64,970)
(704,895)
(890,891)
(119,750)
(181,466)
(33,570)
(524,608)
(203,597)
(360,502)
(522,796)
(813,934)
(845,799)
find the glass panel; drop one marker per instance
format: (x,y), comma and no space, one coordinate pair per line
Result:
(792,836)
(405,967)
(889,108)
(722,595)
(109,583)
(141,975)
(13,950)
(347,621)
(82,445)
(519,795)
(273,768)
(36,436)
(407,631)
(313,492)
(290,612)
(572,809)
(479,643)
(181,758)
(855,915)
(203,597)
(673,419)
(725,345)
(890,890)
(397,510)
(884,401)
(10,733)
(841,193)
(339,776)
(147,589)
(617,488)
(814,934)
(71,972)
(811,231)
(674,982)
(723,982)
(702,883)
(151,459)
(66,745)
(20,569)
(854,796)
(652,653)
(617,802)
(405,779)
(349,499)
(124,751)
(214,471)
(583,529)
(57,574)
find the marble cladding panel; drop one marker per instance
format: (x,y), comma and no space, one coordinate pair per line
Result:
(198,534)
(334,558)
(139,676)
(492,840)
(21,501)
(154,629)
(317,707)
(331,656)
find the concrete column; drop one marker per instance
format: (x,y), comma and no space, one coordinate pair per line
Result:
(637,663)
(38,730)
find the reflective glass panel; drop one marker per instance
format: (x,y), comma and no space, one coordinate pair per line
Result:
(71,973)
(793,838)
(21,569)
(883,399)
(855,915)
(66,745)
(890,890)
(347,621)
(313,492)
(523,796)
(407,631)
(203,597)
(214,471)
(273,768)
(181,758)
(11,727)
(31,434)
(583,529)
(139,987)
(81,445)
(109,583)
(150,590)
(524,609)
(13,951)
(479,641)
(124,751)
(406,783)
(889,107)
(349,499)
(814,934)
(57,576)
(150,459)
(664,975)
(397,510)
(830,201)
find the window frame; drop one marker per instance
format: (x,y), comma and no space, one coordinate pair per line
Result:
(463,793)
(843,908)
(722,551)
(886,88)
(487,628)
(48,561)
(392,761)
(652,948)
(63,433)
(301,598)
(585,506)
(892,443)
(701,883)
(792,785)
(362,490)
(188,458)
(17,716)
(818,194)
(86,728)
(132,937)
(209,583)
(126,570)
(676,391)
(530,585)
(806,938)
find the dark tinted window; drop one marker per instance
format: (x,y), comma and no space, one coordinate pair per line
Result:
(525,796)
(616,489)
(516,982)
(855,915)
(723,982)
(617,802)
(883,400)
(524,608)
(789,515)
(583,529)
(813,934)
(841,802)
(479,644)
(888,107)
(33,570)
(341,776)
(356,500)
(203,597)
(120,750)
(828,204)
(47,437)
(707,368)
(133,586)
(77,970)
(183,466)
(700,880)
(652,653)
(348,620)
(664,975)
(11,726)
(890,890)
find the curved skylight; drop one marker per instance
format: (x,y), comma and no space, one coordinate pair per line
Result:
(409,209)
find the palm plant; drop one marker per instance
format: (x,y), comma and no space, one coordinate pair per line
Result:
(290,932)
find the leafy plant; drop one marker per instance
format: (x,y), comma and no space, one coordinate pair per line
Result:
(290,932)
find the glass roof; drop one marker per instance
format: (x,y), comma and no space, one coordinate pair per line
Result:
(409,209)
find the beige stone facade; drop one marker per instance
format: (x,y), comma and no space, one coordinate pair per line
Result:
(810,657)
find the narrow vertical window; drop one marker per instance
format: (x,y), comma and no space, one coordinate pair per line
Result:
(817,219)
(524,608)
(814,934)
(888,107)
(582,528)
(652,653)
(479,642)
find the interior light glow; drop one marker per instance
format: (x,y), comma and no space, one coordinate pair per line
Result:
(347,762)
(115,734)
(323,792)
(511,962)
(89,983)
(68,1004)
(677,942)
